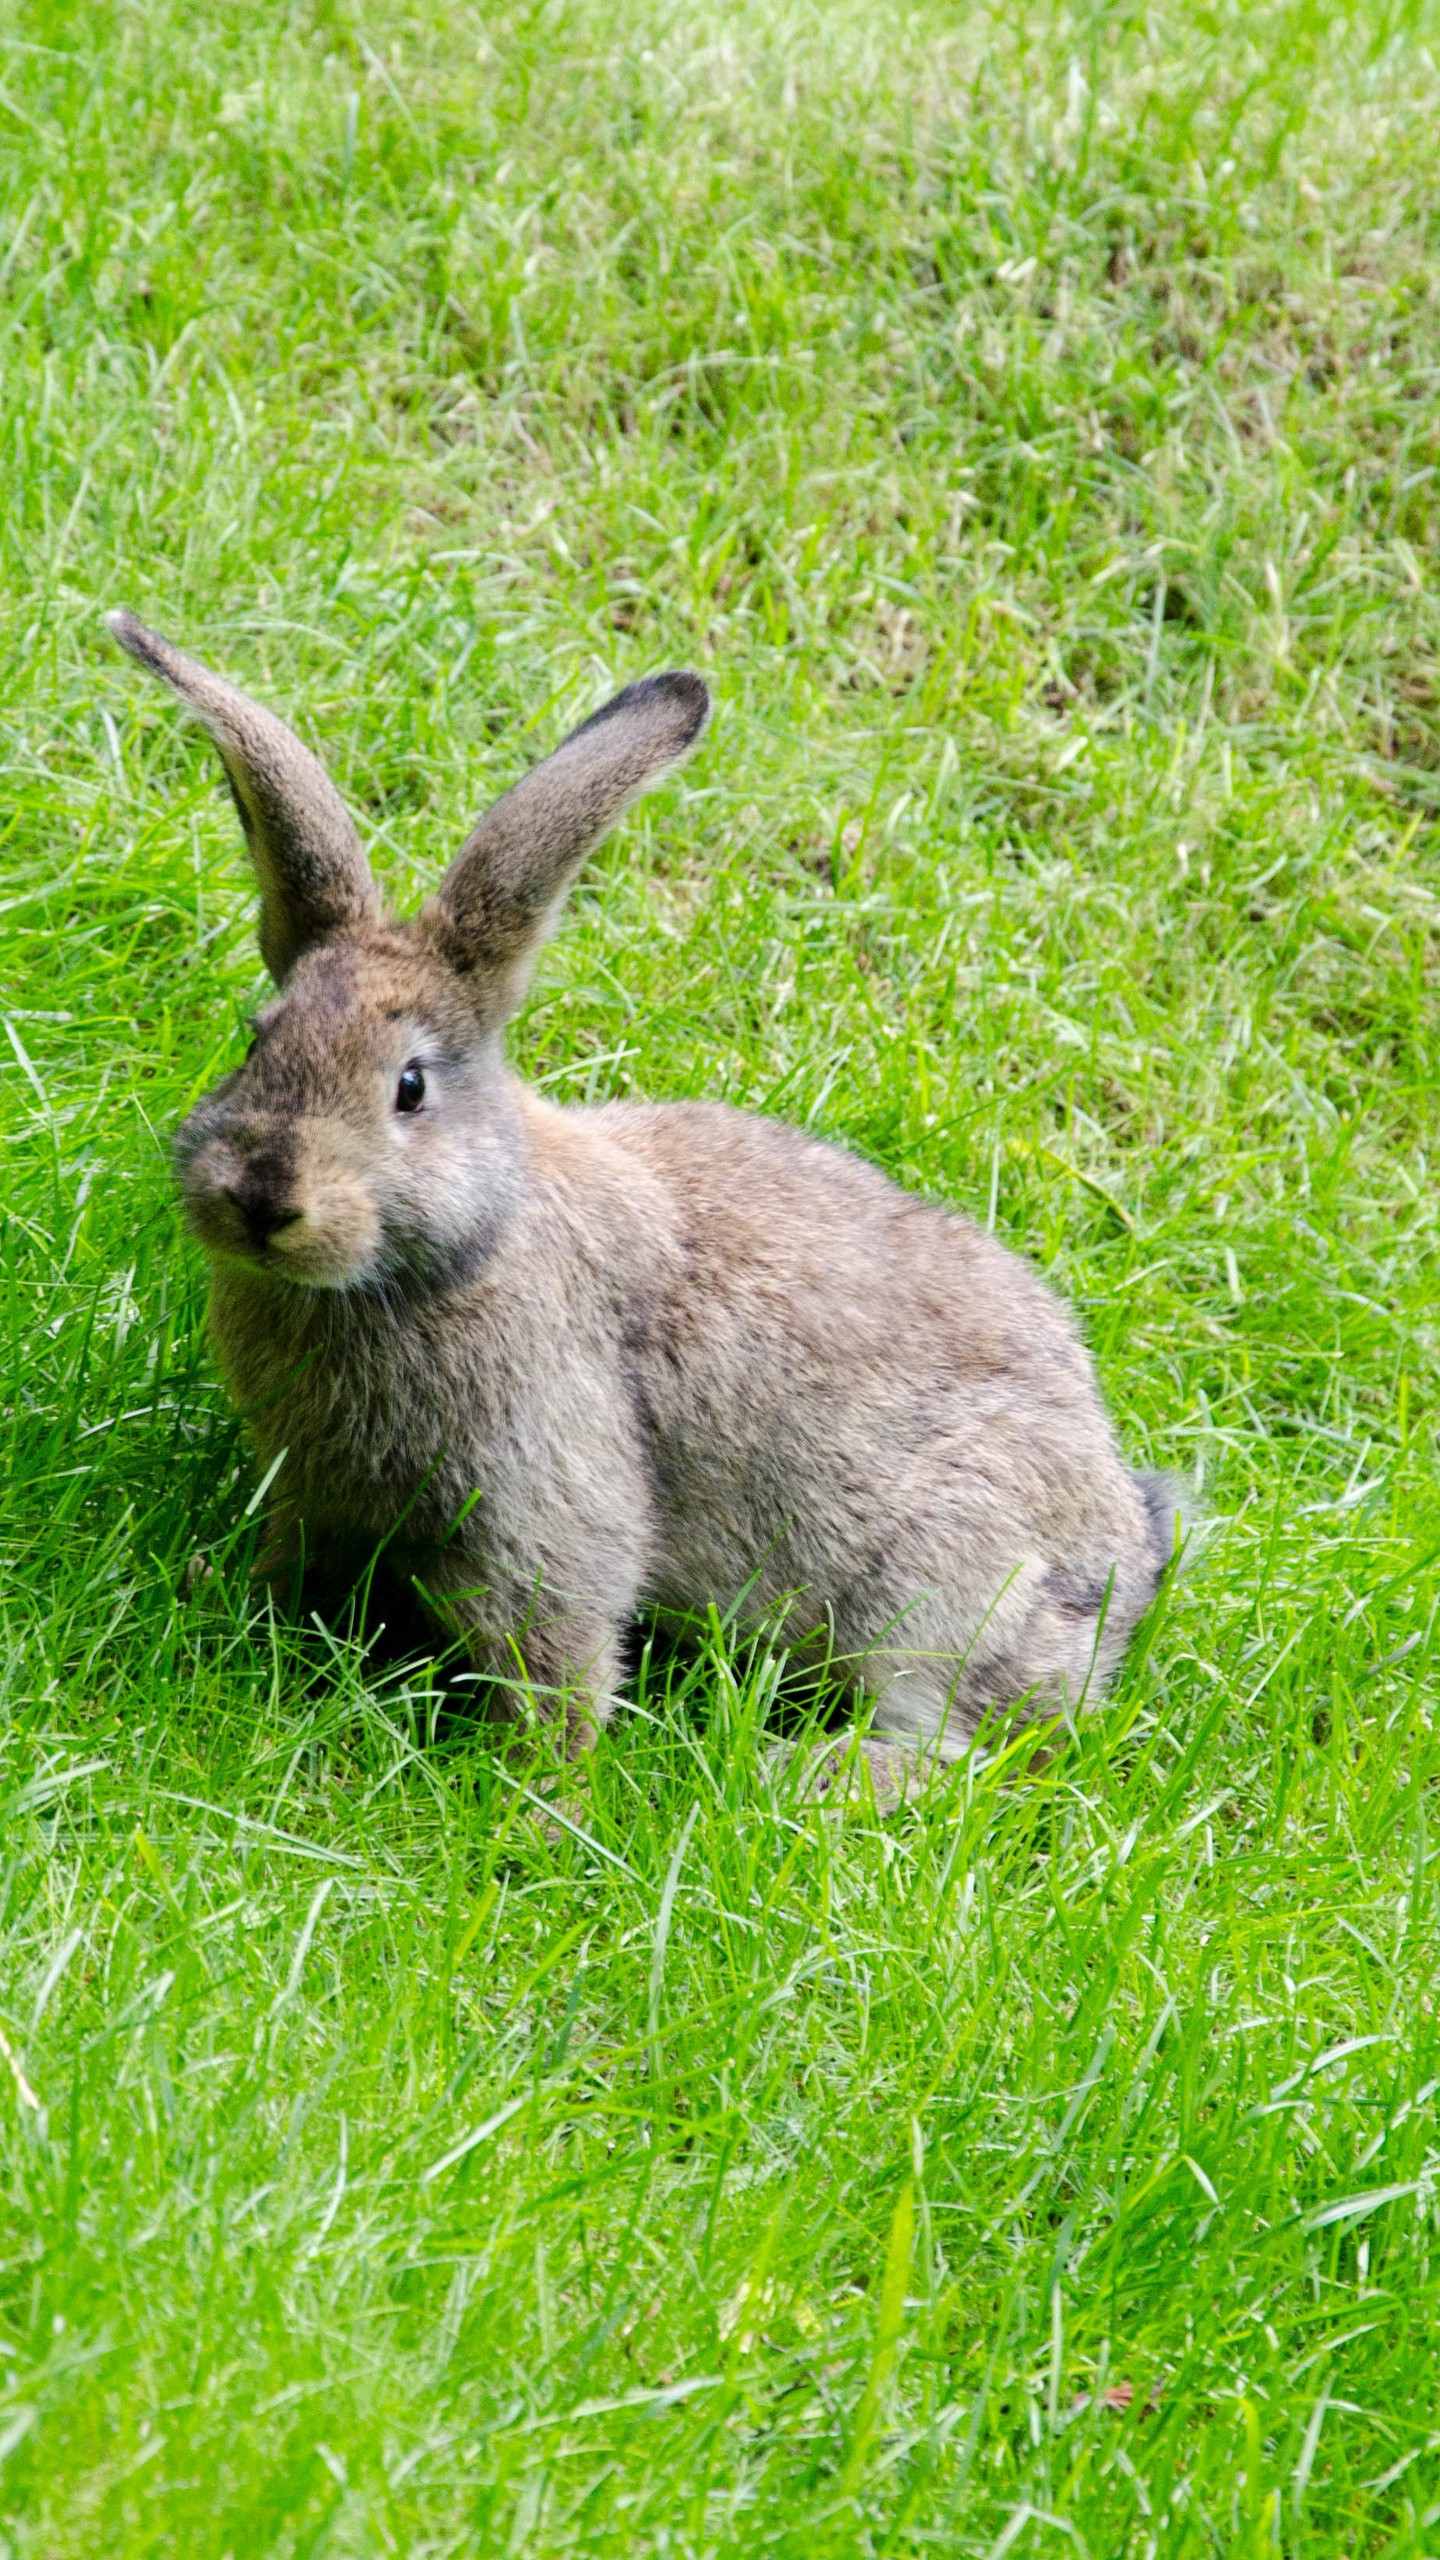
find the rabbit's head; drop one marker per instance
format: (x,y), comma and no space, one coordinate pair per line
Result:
(370,1138)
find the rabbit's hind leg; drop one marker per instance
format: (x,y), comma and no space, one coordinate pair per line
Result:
(923,1720)
(1045,1647)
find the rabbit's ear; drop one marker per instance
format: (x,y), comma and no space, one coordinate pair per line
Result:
(314,879)
(501,893)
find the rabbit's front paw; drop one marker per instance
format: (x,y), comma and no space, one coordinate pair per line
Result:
(195,1575)
(849,1770)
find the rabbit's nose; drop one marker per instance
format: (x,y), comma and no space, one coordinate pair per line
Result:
(264,1207)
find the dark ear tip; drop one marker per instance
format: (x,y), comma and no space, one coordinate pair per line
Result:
(678,696)
(133,637)
(691,694)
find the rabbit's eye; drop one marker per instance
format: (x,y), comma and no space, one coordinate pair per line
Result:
(410,1091)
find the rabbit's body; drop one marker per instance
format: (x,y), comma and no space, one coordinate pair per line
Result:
(709,1359)
(570,1364)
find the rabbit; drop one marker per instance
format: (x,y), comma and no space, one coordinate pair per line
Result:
(568,1365)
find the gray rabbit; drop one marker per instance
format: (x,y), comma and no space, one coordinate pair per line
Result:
(575,1363)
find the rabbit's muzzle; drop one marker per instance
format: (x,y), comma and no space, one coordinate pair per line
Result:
(295,1206)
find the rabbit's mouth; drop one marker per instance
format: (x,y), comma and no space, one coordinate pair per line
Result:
(332,1243)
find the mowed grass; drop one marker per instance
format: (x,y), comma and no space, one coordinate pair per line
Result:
(1030,421)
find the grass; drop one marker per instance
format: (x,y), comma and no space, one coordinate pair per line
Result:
(1028,419)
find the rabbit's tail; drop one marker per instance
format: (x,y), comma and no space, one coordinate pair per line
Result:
(1171,1513)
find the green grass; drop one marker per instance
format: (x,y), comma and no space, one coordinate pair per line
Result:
(1030,421)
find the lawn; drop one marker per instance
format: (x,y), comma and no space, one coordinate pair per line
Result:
(1029,421)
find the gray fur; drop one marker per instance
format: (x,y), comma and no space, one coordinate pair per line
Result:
(661,1356)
